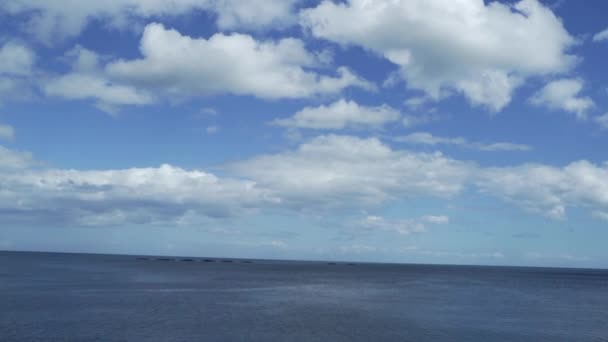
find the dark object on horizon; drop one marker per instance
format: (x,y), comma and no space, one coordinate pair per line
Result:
(208,260)
(331,263)
(164,259)
(143,259)
(227,261)
(186,259)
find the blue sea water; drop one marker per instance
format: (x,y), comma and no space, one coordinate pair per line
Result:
(83,297)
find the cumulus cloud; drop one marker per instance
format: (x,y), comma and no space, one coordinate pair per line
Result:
(547,189)
(60,19)
(7,132)
(326,172)
(340,115)
(166,194)
(482,50)
(564,94)
(88,81)
(179,65)
(424,138)
(333,170)
(601,36)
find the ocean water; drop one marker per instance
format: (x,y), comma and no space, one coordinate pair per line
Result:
(80,297)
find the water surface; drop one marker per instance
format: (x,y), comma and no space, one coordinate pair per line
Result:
(83,297)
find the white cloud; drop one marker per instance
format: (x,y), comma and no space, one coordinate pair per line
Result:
(335,170)
(424,138)
(16,66)
(564,94)
(60,19)
(139,195)
(547,189)
(234,14)
(7,132)
(602,120)
(482,50)
(87,81)
(339,115)
(436,219)
(327,172)
(212,129)
(14,160)
(179,65)
(601,36)
(416,102)
(16,59)
(421,119)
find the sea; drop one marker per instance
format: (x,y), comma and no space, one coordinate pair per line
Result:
(87,297)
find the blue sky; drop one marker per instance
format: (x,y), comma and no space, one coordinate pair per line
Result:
(439,131)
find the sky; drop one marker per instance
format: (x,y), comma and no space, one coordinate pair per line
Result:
(410,131)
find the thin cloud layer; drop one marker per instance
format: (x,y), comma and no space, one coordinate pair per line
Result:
(403,227)
(340,115)
(425,138)
(601,36)
(7,132)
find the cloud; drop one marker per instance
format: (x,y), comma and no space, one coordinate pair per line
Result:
(333,171)
(403,227)
(14,160)
(601,36)
(7,132)
(601,215)
(484,51)
(340,115)
(564,94)
(424,138)
(547,189)
(178,65)
(602,120)
(16,67)
(88,81)
(163,195)
(410,121)
(57,20)
(324,173)
(212,129)
(16,59)
(235,14)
